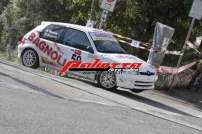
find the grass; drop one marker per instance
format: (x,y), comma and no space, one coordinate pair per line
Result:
(14,59)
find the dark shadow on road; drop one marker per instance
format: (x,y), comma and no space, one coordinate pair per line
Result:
(149,102)
(33,87)
(188,95)
(138,98)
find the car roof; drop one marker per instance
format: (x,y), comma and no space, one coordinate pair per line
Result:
(75,26)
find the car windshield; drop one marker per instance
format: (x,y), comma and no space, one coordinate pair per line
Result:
(106,43)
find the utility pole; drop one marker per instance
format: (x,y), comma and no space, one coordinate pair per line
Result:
(91,22)
(195,13)
(185,43)
(91,10)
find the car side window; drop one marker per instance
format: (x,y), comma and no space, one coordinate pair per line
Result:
(77,39)
(53,33)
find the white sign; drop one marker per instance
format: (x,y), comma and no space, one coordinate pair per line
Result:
(196,10)
(108,5)
(135,43)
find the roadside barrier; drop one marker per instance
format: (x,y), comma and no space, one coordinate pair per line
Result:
(172,77)
(169,77)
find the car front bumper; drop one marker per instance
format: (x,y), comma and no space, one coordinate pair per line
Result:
(136,82)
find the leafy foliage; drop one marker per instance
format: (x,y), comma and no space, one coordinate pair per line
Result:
(133,18)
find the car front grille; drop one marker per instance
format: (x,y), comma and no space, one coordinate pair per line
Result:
(143,84)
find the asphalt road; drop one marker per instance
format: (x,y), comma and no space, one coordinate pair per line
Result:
(35,102)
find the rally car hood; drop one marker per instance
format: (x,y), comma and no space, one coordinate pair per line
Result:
(121,58)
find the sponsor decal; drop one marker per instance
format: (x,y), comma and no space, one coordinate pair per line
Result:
(96,65)
(147,73)
(76,55)
(55,55)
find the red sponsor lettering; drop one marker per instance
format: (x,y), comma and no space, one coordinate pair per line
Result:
(135,65)
(68,65)
(126,65)
(97,64)
(42,45)
(48,50)
(54,55)
(85,65)
(32,37)
(45,48)
(105,65)
(114,65)
(36,41)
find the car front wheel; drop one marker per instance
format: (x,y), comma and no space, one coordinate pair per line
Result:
(107,80)
(30,58)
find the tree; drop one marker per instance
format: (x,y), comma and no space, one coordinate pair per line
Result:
(132,18)
(3,4)
(137,18)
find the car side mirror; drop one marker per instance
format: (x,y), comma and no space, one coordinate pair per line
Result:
(90,49)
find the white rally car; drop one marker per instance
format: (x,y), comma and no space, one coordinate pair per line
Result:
(54,44)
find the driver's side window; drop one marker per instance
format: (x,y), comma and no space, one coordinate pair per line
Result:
(77,39)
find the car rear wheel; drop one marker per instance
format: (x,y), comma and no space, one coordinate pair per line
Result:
(30,58)
(107,80)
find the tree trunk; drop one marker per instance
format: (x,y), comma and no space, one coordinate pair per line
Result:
(8,49)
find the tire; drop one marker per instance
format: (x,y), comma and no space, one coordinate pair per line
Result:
(107,80)
(30,58)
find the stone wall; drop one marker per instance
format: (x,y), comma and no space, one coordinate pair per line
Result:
(183,79)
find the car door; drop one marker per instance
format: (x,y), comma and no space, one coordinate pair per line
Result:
(52,52)
(77,44)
